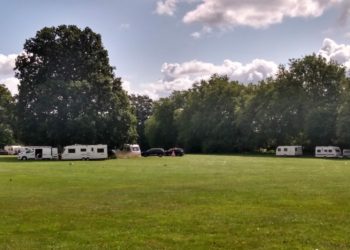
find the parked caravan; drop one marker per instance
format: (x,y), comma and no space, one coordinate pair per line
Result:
(346,153)
(289,151)
(37,153)
(12,149)
(129,151)
(84,152)
(327,151)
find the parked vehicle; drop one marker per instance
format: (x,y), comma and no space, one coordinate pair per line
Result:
(327,151)
(84,152)
(37,153)
(289,151)
(3,152)
(153,152)
(13,149)
(175,152)
(346,153)
(129,151)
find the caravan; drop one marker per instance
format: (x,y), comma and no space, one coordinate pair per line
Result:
(13,149)
(37,153)
(84,152)
(327,151)
(289,151)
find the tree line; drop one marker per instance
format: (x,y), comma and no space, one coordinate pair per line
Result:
(306,103)
(69,94)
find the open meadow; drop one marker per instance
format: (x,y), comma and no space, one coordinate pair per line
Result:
(190,202)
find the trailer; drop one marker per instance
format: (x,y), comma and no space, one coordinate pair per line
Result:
(289,151)
(37,153)
(13,149)
(129,151)
(84,152)
(328,151)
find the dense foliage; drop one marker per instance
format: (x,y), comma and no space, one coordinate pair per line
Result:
(68,92)
(142,107)
(6,116)
(307,104)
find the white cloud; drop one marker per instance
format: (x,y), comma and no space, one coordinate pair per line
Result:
(11,83)
(166,7)
(336,52)
(7,64)
(254,13)
(182,76)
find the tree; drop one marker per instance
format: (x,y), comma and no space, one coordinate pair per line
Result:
(6,116)
(161,129)
(68,92)
(322,83)
(142,107)
(208,120)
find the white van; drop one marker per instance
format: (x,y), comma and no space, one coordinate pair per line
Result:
(84,152)
(289,151)
(327,151)
(38,153)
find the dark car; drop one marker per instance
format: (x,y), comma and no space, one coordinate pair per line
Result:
(153,152)
(3,152)
(175,151)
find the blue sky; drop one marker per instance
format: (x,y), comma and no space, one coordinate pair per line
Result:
(161,45)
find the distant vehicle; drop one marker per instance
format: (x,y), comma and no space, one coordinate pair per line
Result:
(346,153)
(289,151)
(175,152)
(3,152)
(327,151)
(153,152)
(38,153)
(84,152)
(129,151)
(13,149)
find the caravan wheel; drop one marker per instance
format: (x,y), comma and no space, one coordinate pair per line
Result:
(24,158)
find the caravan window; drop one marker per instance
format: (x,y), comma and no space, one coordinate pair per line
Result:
(337,150)
(285,149)
(71,150)
(135,148)
(83,150)
(100,150)
(296,149)
(279,150)
(318,150)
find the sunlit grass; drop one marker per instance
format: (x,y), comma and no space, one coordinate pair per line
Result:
(191,202)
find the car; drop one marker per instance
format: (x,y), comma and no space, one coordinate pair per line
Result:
(153,152)
(3,152)
(175,151)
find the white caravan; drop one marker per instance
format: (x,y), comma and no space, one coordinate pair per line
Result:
(327,151)
(346,153)
(37,153)
(129,151)
(12,149)
(84,152)
(289,151)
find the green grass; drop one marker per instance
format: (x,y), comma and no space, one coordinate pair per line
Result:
(193,202)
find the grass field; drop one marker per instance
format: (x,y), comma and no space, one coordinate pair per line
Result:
(193,202)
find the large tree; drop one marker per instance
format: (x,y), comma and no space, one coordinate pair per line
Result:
(142,107)
(68,92)
(6,116)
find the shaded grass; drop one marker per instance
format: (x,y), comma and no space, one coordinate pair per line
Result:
(193,202)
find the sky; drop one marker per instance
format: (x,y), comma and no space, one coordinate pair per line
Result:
(158,46)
